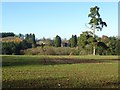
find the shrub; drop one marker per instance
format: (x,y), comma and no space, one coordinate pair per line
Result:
(10,48)
(49,50)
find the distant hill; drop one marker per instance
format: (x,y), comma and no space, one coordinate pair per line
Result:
(10,39)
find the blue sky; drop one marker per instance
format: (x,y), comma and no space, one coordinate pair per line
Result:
(48,19)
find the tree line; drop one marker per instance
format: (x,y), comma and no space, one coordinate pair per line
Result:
(83,44)
(16,47)
(7,34)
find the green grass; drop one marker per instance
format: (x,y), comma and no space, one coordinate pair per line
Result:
(61,56)
(60,71)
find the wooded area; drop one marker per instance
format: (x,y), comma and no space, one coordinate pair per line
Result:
(76,45)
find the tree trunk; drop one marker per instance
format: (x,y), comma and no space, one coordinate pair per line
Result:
(94,51)
(94,48)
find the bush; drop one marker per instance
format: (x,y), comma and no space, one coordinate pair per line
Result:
(48,50)
(10,48)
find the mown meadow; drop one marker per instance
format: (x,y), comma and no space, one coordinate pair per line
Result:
(35,71)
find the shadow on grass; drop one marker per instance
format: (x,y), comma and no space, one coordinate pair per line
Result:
(59,82)
(48,61)
(33,83)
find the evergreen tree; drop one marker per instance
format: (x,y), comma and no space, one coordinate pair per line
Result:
(73,41)
(85,42)
(33,40)
(57,41)
(26,36)
(30,38)
(96,22)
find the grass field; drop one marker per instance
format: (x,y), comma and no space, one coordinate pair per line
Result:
(59,71)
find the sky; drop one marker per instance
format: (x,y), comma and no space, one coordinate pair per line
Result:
(48,19)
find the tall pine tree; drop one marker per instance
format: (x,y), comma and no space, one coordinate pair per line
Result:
(96,22)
